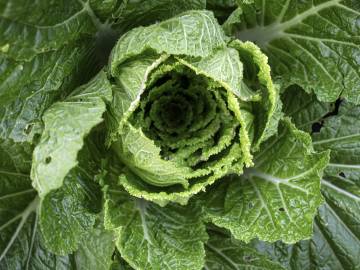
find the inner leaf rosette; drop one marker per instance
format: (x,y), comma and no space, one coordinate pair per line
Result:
(183,117)
(184,131)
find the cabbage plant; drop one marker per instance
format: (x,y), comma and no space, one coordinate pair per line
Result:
(179,134)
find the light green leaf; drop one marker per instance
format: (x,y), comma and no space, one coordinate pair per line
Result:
(224,253)
(279,197)
(66,124)
(131,14)
(131,86)
(223,127)
(96,250)
(132,82)
(225,67)
(304,109)
(142,156)
(193,33)
(154,237)
(313,44)
(267,111)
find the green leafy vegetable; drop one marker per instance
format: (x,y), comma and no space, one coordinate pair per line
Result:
(179,122)
(163,134)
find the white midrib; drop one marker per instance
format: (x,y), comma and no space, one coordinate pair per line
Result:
(23,218)
(264,34)
(345,166)
(352,136)
(226,258)
(142,210)
(11,195)
(277,181)
(339,190)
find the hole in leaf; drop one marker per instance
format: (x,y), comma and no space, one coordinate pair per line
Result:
(248,258)
(336,107)
(316,127)
(342,174)
(28,128)
(47,160)
(250,205)
(281,209)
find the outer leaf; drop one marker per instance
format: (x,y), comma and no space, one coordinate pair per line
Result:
(279,197)
(341,134)
(335,243)
(340,220)
(40,57)
(223,253)
(156,237)
(27,89)
(22,41)
(25,250)
(96,250)
(304,109)
(336,240)
(21,244)
(311,43)
(18,10)
(66,125)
